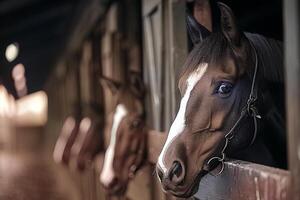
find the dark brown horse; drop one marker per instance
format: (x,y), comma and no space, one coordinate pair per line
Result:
(127,148)
(232,104)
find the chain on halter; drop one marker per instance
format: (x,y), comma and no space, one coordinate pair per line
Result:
(249,110)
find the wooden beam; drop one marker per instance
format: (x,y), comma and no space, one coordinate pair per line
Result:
(156,141)
(246,181)
(292,64)
(87,14)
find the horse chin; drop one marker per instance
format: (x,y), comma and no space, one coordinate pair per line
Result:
(189,190)
(118,189)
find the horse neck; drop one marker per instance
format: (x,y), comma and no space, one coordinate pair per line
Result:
(271,134)
(273,125)
(269,148)
(270,57)
(272,105)
(257,153)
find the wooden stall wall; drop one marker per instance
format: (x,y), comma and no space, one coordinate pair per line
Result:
(165,49)
(292,69)
(72,86)
(246,181)
(62,90)
(74,90)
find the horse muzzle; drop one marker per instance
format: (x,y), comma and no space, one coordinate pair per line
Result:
(115,187)
(173,176)
(175,182)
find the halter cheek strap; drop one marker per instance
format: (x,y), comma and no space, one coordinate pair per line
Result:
(249,110)
(140,159)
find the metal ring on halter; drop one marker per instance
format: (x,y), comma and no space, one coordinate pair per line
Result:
(221,160)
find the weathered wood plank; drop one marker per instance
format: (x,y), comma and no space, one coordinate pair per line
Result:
(246,181)
(292,64)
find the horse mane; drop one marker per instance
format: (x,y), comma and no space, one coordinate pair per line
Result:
(270,62)
(212,49)
(216,47)
(270,59)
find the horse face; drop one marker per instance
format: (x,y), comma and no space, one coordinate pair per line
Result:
(213,94)
(211,103)
(126,150)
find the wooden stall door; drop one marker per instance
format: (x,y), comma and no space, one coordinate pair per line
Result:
(165,49)
(153,60)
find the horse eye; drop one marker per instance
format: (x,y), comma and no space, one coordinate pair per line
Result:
(224,89)
(136,123)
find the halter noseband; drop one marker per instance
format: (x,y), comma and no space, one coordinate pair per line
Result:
(249,110)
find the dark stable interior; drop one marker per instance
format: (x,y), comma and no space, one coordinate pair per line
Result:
(44,28)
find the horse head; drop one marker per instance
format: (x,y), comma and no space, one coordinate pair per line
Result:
(126,150)
(215,86)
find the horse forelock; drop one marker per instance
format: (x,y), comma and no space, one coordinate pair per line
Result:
(214,50)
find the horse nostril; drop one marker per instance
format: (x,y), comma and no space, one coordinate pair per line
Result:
(176,174)
(159,173)
(177,170)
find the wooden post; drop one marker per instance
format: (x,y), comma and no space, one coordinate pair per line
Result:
(292,64)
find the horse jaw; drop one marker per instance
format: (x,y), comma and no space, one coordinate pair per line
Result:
(178,125)
(107,173)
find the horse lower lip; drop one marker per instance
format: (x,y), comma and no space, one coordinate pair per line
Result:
(117,189)
(185,192)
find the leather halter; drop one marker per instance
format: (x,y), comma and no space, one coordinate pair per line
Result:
(249,110)
(140,154)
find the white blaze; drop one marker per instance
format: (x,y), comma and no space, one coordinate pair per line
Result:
(107,173)
(178,125)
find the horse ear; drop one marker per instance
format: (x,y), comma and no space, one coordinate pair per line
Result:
(112,85)
(196,31)
(137,86)
(228,25)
